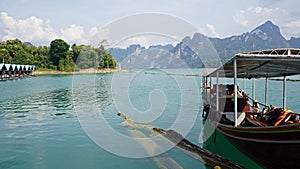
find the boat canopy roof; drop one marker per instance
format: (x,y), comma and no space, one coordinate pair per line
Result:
(262,63)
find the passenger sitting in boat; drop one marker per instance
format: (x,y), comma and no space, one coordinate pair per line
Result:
(230,91)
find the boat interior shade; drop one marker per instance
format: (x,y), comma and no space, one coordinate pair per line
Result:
(264,63)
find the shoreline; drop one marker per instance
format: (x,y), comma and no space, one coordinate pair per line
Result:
(84,71)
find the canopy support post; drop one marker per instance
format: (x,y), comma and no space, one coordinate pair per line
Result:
(210,93)
(217,93)
(205,87)
(235,92)
(245,84)
(284,92)
(253,89)
(266,91)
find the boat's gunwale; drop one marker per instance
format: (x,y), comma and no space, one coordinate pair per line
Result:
(263,129)
(227,130)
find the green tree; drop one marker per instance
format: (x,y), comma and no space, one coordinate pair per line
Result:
(58,50)
(101,52)
(57,56)
(14,49)
(87,58)
(61,64)
(17,52)
(41,58)
(107,61)
(4,54)
(69,64)
(75,52)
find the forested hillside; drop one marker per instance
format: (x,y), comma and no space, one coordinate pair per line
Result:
(58,56)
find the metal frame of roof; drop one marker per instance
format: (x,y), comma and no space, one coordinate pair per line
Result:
(262,63)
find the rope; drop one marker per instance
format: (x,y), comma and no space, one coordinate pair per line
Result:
(257,102)
(265,105)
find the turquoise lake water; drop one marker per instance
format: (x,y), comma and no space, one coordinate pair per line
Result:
(70,121)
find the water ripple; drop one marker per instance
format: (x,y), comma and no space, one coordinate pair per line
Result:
(37,109)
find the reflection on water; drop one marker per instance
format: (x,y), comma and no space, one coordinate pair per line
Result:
(39,125)
(38,109)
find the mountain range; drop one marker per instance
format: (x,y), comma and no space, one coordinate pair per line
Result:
(199,51)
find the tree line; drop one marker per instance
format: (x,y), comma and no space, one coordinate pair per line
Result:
(58,56)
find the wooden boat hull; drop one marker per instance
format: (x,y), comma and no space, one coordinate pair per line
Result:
(270,147)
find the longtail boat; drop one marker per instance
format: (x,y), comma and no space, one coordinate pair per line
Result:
(270,136)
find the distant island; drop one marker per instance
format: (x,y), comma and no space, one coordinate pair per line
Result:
(58,57)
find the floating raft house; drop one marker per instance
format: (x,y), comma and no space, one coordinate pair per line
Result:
(15,71)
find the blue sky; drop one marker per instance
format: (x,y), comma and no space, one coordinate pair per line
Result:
(40,21)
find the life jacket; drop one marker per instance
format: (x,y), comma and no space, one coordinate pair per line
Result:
(283,116)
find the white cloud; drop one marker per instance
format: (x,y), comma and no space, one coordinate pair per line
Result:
(146,40)
(254,16)
(8,21)
(37,31)
(142,40)
(261,10)
(96,37)
(29,29)
(212,30)
(209,30)
(93,31)
(291,28)
(73,33)
(240,18)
